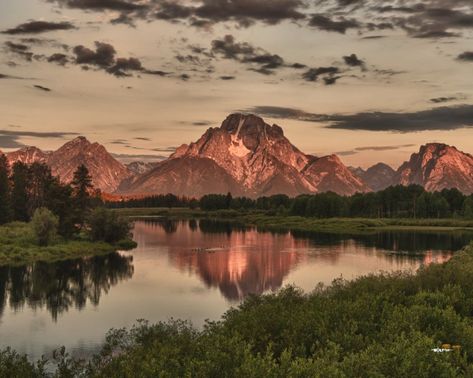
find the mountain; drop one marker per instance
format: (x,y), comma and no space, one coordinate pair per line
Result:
(378,177)
(438,166)
(248,157)
(329,174)
(140,167)
(28,155)
(106,172)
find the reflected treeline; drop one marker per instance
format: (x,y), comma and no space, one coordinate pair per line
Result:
(61,285)
(399,241)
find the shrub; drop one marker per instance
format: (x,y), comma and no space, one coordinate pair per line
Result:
(106,225)
(44,225)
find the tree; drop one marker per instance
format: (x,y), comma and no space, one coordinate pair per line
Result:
(19,195)
(467,208)
(5,204)
(44,224)
(106,225)
(82,187)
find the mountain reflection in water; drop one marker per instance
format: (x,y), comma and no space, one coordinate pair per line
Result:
(240,261)
(61,285)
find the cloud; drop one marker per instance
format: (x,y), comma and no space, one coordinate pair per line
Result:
(143,138)
(40,87)
(20,50)
(440,119)
(243,52)
(373,148)
(58,58)
(441,100)
(341,25)
(328,74)
(197,13)
(353,61)
(227,77)
(104,58)
(467,56)
(36,27)
(10,139)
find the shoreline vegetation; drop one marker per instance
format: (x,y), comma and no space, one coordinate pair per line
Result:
(18,246)
(384,325)
(267,220)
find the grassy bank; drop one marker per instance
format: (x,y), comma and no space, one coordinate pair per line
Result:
(375,326)
(269,221)
(18,246)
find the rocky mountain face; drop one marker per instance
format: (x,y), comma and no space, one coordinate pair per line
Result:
(140,167)
(438,166)
(106,172)
(28,155)
(378,177)
(248,157)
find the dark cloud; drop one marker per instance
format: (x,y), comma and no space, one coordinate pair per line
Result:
(353,61)
(331,80)
(199,14)
(227,78)
(58,58)
(340,25)
(40,87)
(243,52)
(104,57)
(313,74)
(10,139)
(373,148)
(441,100)
(441,118)
(466,56)
(165,149)
(202,123)
(36,27)
(143,138)
(102,5)
(19,49)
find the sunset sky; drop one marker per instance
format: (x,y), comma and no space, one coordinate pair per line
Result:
(370,80)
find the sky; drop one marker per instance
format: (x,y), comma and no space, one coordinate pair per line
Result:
(369,80)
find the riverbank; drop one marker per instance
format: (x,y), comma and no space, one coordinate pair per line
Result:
(268,221)
(18,247)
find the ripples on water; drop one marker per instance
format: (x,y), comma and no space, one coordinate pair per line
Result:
(188,269)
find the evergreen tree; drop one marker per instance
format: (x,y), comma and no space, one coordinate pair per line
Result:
(82,187)
(5,204)
(19,196)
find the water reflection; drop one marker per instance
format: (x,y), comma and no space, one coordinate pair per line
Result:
(61,285)
(240,261)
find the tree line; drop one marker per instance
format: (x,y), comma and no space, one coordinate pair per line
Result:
(30,193)
(394,202)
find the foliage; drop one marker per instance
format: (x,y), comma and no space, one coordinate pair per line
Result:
(5,205)
(106,225)
(44,225)
(375,326)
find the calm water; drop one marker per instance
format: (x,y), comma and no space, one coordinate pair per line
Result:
(188,269)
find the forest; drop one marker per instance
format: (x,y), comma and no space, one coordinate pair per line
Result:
(394,202)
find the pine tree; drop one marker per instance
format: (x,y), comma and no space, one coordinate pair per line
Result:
(82,187)
(5,204)
(19,196)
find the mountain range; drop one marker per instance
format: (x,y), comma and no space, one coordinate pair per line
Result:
(246,156)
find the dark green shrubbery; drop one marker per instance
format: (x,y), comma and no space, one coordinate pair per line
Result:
(106,225)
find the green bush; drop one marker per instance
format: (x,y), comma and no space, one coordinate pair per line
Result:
(106,225)
(44,225)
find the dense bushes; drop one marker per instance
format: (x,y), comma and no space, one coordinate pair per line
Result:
(44,225)
(106,225)
(376,326)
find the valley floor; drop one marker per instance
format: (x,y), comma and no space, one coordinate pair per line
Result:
(18,247)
